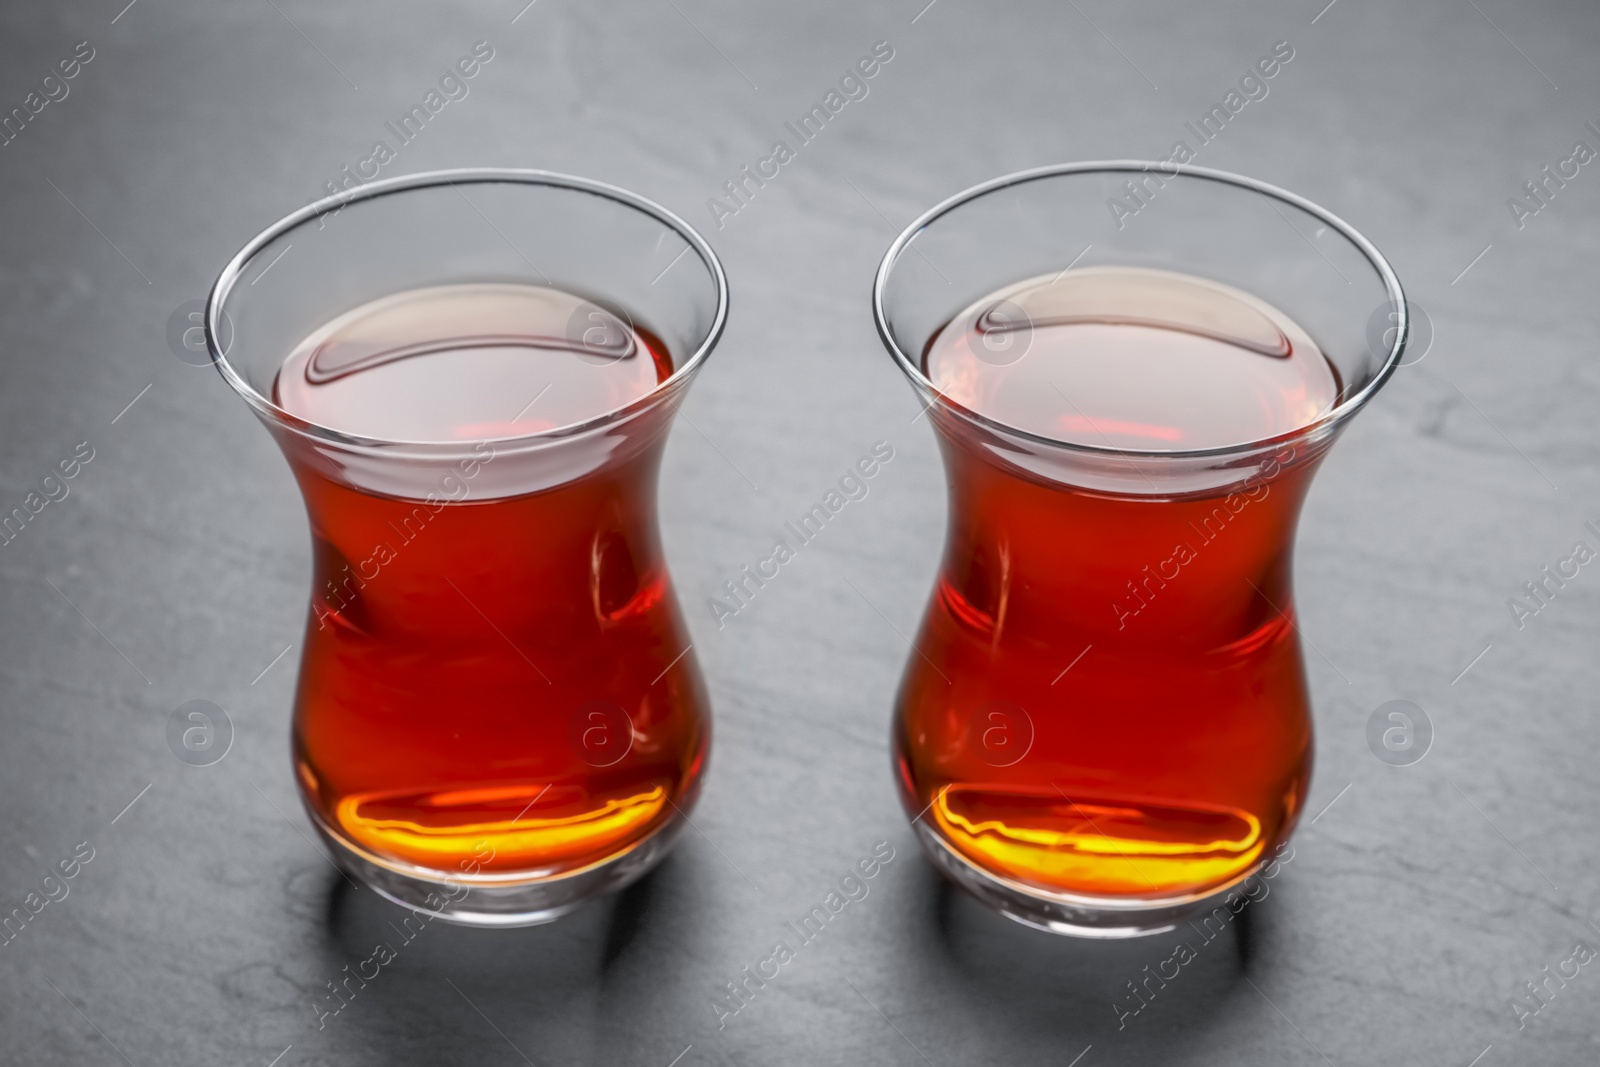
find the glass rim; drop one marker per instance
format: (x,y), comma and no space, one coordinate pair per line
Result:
(226,280)
(1327,422)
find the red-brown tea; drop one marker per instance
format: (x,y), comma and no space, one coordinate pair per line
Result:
(1106,698)
(489,678)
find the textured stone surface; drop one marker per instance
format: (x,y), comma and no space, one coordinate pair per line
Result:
(1414,907)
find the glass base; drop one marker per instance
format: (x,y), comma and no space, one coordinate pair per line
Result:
(497,900)
(1070,914)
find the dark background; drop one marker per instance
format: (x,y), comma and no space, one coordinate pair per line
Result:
(177,568)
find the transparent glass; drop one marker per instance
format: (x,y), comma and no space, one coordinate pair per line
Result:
(1104,724)
(498,713)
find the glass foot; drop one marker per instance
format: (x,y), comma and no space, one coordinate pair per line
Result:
(1070,914)
(498,899)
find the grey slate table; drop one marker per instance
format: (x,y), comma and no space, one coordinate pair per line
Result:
(1420,899)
